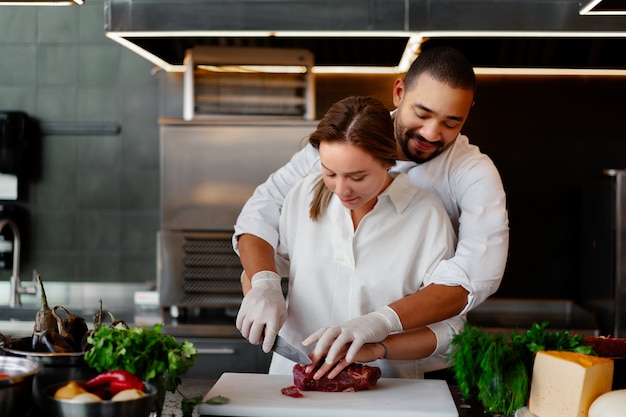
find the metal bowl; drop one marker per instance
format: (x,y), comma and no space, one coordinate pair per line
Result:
(57,367)
(16,391)
(141,407)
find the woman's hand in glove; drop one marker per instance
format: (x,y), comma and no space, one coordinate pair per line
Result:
(263,310)
(370,328)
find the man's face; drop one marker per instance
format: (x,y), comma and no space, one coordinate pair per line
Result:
(429,117)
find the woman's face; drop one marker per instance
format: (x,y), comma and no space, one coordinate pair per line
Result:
(354,175)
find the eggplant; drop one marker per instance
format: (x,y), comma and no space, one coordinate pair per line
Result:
(117,323)
(44,319)
(16,343)
(63,333)
(73,325)
(55,343)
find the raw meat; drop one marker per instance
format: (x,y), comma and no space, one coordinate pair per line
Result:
(291,391)
(607,346)
(355,377)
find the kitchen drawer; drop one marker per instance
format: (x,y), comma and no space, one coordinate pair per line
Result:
(219,355)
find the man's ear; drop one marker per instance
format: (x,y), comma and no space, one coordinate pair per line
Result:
(398,91)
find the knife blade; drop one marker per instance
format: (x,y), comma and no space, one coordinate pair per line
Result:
(287,350)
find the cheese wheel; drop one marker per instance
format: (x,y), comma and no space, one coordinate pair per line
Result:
(611,404)
(565,384)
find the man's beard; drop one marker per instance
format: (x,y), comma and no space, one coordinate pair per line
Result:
(418,156)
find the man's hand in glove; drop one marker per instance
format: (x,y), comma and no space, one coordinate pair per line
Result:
(263,310)
(370,328)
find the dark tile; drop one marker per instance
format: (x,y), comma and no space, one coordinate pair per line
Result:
(99,66)
(99,152)
(139,233)
(18,24)
(55,267)
(98,231)
(137,268)
(140,189)
(101,267)
(53,230)
(56,190)
(98,190)
(57,103)
(59,153)
(97,104)
(57,24)
(18,64)
(57,64)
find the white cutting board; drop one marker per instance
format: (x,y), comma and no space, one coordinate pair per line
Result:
(258,395)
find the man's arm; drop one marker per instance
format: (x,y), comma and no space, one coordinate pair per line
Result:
(431,304)
(256,255)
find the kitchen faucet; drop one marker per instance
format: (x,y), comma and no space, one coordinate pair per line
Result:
(16,284)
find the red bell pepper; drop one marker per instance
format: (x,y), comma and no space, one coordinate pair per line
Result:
(118,380)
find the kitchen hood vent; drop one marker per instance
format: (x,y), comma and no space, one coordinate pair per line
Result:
(375,33)
(248,81)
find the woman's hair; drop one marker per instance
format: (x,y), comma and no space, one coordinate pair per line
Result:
(358,121)
(445,64)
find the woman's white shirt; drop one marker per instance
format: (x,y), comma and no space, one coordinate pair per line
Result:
(337,273)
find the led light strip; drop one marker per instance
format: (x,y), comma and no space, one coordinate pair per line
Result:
(414,42)
(42,3)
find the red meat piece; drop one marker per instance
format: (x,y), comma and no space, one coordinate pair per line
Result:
(354,377)
(291,391)
(607,346)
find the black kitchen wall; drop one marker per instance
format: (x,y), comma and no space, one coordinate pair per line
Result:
(547,135)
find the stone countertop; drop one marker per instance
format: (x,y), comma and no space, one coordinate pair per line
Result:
(190,388)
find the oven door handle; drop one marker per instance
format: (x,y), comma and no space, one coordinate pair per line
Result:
(215,351)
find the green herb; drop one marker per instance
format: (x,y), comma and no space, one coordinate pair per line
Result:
(498,368)
(189,404)
(145,352)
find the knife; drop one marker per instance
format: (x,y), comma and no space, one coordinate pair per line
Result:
(287,350)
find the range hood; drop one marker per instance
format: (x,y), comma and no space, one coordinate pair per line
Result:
(375,33)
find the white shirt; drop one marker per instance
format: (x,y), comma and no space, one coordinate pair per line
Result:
(337,274)
(465,180)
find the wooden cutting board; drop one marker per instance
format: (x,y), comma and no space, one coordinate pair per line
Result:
(259,395)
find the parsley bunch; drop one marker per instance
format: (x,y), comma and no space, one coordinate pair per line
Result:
(144,352)
(499,368)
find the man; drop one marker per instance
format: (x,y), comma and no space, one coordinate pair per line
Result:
(433,103)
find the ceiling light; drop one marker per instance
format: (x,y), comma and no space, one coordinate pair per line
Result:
(42,3)
(412,49)
(602,7)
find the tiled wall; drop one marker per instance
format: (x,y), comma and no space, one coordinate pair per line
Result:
(94,212)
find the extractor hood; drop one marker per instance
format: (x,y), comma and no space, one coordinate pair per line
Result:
(375,33)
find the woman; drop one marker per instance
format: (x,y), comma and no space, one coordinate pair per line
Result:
(353,239)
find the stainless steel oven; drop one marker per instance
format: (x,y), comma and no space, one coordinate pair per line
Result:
(209,169)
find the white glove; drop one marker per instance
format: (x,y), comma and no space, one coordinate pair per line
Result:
(263,310)
(370,328)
